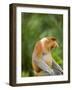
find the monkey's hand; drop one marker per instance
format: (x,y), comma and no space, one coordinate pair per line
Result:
(56,68)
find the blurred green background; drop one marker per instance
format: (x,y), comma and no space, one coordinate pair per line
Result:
(34,27)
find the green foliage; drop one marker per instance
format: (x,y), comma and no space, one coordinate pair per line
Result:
(34,27)
(56,55)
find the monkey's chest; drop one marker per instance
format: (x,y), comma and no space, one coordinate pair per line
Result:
(48,59)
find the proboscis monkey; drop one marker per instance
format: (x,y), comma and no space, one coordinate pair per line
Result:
(42,60)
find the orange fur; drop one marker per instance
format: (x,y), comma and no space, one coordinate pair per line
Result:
(38,49)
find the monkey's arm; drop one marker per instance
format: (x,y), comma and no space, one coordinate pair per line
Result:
(42,65)
(56,68)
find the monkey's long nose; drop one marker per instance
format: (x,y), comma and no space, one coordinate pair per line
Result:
(56,44)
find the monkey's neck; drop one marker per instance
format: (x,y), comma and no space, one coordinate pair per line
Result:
(45,51)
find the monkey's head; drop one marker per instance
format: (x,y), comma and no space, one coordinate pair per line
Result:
(49,43)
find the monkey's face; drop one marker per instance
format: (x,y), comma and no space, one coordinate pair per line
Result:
(54,44)
(50,43)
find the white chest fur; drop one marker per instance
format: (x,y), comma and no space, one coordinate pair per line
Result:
(47,58)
